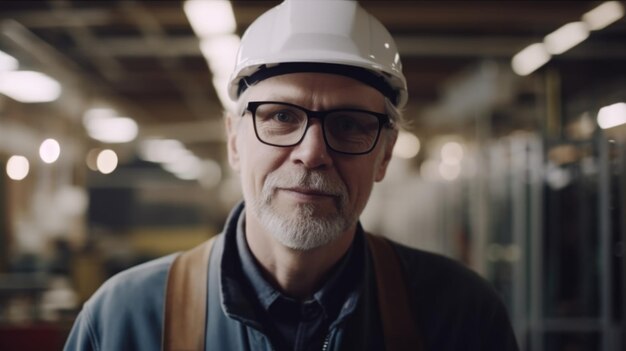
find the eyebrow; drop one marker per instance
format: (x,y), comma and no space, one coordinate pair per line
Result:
(298,101)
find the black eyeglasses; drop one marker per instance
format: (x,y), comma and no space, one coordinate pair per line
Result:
(347,131)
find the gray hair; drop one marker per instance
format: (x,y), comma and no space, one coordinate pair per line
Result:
(395,114)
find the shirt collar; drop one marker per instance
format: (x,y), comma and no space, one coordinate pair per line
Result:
(343,280)
(265,292)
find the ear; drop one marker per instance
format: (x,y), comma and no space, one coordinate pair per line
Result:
(231,141)
(390,140)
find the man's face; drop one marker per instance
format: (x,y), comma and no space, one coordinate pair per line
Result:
(307,195)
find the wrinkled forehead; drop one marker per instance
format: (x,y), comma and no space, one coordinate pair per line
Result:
(316,91)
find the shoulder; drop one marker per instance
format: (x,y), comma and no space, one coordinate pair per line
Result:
(439,273)
(448,296)
(129,306)
(144,280)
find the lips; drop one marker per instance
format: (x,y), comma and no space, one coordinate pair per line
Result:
(308,191)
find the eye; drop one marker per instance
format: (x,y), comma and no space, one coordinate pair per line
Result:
(347,125)
(277,114)
(284,117)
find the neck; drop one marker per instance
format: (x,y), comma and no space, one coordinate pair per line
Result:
(295,273)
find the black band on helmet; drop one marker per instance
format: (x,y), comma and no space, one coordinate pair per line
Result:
(361,74)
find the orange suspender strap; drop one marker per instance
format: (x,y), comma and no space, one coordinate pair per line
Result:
(184,317)
(185,300)
(399,327)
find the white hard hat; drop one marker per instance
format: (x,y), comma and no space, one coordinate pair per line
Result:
(334,36)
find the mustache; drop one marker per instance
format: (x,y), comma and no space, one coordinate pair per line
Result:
(305,179)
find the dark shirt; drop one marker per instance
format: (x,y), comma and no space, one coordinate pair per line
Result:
(294,324)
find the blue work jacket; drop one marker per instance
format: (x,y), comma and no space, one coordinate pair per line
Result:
(454,308)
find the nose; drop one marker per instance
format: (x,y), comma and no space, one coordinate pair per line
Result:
(312,151)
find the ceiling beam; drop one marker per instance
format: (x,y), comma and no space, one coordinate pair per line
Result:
(194,95)
(409,46)
(81,33)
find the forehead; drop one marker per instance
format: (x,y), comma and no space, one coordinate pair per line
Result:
(318,91)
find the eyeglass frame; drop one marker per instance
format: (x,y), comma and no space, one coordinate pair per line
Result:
(384,121)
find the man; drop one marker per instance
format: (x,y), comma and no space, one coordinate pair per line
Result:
(318,86)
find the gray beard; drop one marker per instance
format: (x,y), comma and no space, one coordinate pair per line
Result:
(302,228)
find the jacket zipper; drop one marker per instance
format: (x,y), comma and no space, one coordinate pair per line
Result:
(326,342)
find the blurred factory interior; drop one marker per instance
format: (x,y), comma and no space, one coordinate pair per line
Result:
(112,152)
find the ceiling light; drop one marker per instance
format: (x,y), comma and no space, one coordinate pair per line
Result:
(186,167)
(161,150)
(603,15)
(530,59)
(7,62)
(114,130)
(49,151)
(29,86)
(221,53)
(107,161)
(17,167)
(407,146)
(210,17)
(103,125)
(612,115)
(566,37)
(96,113)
